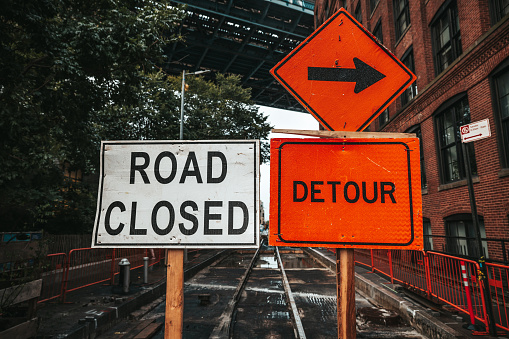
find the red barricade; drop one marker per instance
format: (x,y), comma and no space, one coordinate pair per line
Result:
(498,277)
(381,262)
(440,276)
(85,267)
(53,276)
(363,257)
(408,267)
(447,283)
(88,266)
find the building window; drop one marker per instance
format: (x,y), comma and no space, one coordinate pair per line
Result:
(401,17)
(377,32)
(410,92)
(461,236)
(498,9)
(383,118)
(428,238)
(447,124)
(418,133)
(501,84)
(372,5)
(358,13)
(446,37)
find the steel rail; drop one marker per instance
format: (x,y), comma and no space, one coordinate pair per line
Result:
(224,327)
(235,18)
(299,329)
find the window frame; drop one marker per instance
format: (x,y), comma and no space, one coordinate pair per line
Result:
(418,132)
(358,13)
(378,29)
(383,118)
(397,15)
(502,135)
(411,92)
(447,11)
(469,239)
(372,5)
(438,116)
(496,11)
(428,237)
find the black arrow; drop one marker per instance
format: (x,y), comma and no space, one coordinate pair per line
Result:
(363,75)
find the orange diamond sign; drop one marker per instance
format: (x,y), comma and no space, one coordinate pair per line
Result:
(342,75)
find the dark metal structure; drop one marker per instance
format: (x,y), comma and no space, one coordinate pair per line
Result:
(244,37)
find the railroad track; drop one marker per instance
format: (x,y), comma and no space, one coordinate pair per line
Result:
(237,319)
(268,293)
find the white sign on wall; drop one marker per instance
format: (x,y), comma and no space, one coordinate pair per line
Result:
(475,131)
(178,194)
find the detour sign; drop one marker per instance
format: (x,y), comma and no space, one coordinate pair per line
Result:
(346,193)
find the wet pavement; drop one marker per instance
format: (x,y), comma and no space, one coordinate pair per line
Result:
(98,312)
(263,311)
(92,310)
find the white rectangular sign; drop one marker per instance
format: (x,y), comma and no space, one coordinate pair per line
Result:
(475,131)
(178,194)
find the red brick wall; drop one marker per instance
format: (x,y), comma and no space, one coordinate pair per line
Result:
(484,48)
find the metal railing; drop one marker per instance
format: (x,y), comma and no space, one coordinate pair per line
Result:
(467,247)
(498,277)
(53,276)
(437,275)
(84,267)
(449,279)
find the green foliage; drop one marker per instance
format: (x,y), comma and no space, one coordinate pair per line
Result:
(60,61)
(76,72)
(222,110)
(219,109)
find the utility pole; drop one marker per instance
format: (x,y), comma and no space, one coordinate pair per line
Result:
(469,133)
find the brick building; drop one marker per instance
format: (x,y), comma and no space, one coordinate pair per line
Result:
(459,50)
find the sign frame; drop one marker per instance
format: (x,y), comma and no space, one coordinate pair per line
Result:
(276,237)
(253,227)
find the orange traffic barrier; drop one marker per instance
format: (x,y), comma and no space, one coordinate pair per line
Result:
(53,276)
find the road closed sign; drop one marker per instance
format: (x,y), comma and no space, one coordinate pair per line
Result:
(346,193)
(178,194)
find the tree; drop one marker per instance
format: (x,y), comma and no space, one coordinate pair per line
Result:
(77,72)
(60,61)
(222,110)
(219,109)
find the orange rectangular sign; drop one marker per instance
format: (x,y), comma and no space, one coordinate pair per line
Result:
(346,193)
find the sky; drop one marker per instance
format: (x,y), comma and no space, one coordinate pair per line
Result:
(281,119)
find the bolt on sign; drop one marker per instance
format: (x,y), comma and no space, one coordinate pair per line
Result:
(342,75)
(346,193)
(178,194)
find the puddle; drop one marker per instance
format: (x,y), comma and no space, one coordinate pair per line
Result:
(379,316)
(278,315)
(234,261)
(297,261)
(267,261)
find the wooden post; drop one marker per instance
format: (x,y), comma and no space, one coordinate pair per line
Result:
(345,278)
(174,315)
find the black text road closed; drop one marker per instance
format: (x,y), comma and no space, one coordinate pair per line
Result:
(178,194)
